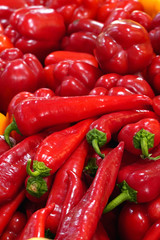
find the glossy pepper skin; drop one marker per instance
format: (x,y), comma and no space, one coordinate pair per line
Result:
(59,188)
(118,52)
(35,226)
(72,78)
(18,73)
(141,137)
(37,27)
(8,209)
(48,112)
(111,123)
(153,74)
(86,214)
(137,220)
(13,166)
(154,33)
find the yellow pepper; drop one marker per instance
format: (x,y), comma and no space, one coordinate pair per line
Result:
(4,121)
(152,7)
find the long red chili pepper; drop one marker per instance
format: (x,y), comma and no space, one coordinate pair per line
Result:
(82,220)
(101,129)
(60,185)
(36,114)
(8,209)
(13,166)
(35,226)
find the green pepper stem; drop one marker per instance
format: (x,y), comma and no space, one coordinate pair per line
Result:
(11,127)
(36,186)
(127,194)
(144,147)
(96,148)
(30,172)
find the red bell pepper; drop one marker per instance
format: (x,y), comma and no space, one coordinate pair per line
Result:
(153,74)
(35,226)
(141,137)
(60,185)
(37,26)
(72,78)
(136,85)
(98,91)
(13,166)
(79,42)
(85,24)
(156,105)
(119,91)
(103,128)
(82,220)
(108,80)
(137,221)
(118,52)
(58,56)
(57,110)
(8,209)
(154,33)
(28,71)
(153,232)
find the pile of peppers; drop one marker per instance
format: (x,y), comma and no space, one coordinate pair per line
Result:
(79,120)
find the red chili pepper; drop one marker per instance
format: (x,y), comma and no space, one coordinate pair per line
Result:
(13,166)
(73,78)
(48,112)
(118,52)
(37,26)
(35,226)
(100,233)
(8,209)
(58,56)
(141,137)
(60,185)
(82,220)
(15,226)
(76,190)
(102,129)
(28,71)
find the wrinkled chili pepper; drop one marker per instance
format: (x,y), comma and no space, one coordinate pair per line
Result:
(118,52)
(49,112)
(13,166)
(82,220)
(8,209)
(102,129)
(18,73)
(141,137)
(35,226)
(60,185)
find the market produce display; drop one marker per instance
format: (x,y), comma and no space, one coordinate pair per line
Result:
(79,120)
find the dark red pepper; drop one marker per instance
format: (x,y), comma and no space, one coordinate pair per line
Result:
(153,74)
(4,145)
(48,112)
(82,220)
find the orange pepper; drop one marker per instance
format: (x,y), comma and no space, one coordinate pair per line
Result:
(152,7)
(4,121)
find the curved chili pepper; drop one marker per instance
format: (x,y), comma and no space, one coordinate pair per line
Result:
(35,226)
(13,166)
(60,185)
(141,137)
(8,209)
(102,129)
(48,112)
(82,220)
